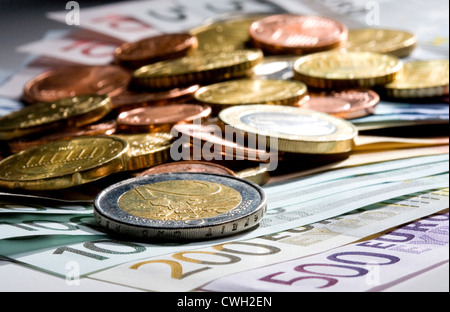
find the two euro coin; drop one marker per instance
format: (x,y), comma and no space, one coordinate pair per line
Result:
(180,206)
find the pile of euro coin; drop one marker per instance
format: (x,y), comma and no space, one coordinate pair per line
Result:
(291,82)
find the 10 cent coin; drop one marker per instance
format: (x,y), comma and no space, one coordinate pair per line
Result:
(252,91)
(340,69)
(201,68)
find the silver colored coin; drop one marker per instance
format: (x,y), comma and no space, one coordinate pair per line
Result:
(181,206)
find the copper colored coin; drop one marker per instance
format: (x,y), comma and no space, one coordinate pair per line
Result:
(161,118)
(155,49)
(128,99)
(349,104)
(297,34)
(189,166)
(103,128)
(64,82)
(219,146)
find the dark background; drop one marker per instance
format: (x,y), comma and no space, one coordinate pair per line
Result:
(25,21)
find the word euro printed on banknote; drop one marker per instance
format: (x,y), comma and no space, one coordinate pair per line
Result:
(364,266)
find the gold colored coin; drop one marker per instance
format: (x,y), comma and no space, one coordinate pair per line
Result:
(147,150)
(180,200)
(258,175)
(225,36)
(63,164)
(396,42)
(421,79)
(341,69)
(71,112)
(252,91)
(292,129)
(203,68)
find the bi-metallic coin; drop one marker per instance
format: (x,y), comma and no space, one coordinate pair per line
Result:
(180,206)
(293,129)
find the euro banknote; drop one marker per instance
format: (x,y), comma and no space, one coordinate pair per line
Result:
(364,266)
(189,270)
(110,251)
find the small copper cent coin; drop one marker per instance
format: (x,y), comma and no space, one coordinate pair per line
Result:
(188,166)
(348,104)
(297,34)
(161,118)
(220,145)
(155,49)
(70,81)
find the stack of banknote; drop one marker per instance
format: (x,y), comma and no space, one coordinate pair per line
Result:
(364,220)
